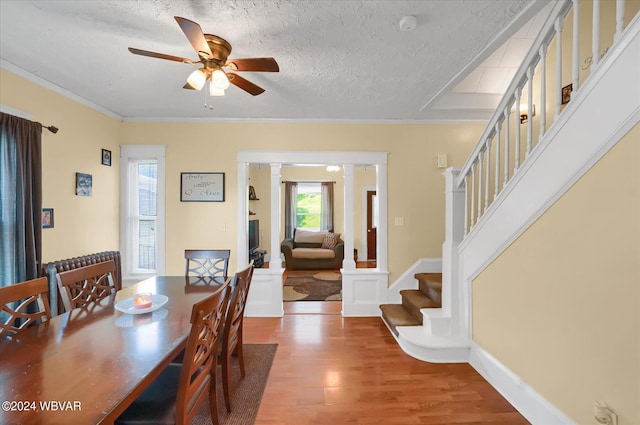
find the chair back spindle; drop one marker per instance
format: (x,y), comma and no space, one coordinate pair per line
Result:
(207,262)
(197,377)
(86,285)
(32,305)
(232,334)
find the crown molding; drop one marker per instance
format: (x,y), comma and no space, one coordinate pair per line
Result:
(20,72)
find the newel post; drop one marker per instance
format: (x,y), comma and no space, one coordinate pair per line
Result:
(453,235)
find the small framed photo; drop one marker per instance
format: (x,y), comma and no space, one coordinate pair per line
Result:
(47,218)
(84,184)
(106,157)
(566,93)
(202,187)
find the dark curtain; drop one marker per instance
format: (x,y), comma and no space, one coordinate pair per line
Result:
(20,199)
(326,218)
(290,211)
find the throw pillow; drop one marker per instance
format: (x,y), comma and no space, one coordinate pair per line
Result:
(330,240)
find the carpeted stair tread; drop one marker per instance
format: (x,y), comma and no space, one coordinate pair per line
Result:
(416,299)
(396,315)
(431,285)
(432,280)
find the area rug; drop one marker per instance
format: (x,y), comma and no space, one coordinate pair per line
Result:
(246,394)
(303,285)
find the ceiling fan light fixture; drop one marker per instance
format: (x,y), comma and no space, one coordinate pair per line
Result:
(214,91)
(220,80)
(197,79)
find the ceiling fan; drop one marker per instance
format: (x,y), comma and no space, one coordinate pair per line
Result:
(213,52)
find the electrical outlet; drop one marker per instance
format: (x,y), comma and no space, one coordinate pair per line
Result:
(398,221)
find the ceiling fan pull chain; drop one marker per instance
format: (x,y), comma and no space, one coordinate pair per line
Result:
(210,106)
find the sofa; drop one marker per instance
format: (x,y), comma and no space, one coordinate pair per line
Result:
(311,250)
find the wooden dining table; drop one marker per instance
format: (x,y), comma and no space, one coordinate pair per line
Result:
(87,365)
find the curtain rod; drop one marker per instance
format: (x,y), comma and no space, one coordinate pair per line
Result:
(51,128)
(19,114)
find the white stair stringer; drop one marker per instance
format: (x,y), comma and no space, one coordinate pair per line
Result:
(422,345)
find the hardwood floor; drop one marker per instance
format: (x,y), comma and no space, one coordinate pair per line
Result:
(339,370)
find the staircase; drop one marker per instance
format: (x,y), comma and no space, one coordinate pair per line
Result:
(409,313)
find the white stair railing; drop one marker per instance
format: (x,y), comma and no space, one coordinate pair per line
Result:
(533,82)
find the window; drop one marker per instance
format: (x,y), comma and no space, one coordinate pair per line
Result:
(308,206)
(145,183)
(142,224)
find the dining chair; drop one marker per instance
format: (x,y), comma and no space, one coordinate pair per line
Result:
(85,285)
(33,299)
(176,395)
(232,333)
(207,262)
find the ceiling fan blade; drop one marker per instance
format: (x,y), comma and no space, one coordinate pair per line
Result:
(188,86)
(195,36)
(244,84)
(159,55)
(254,64)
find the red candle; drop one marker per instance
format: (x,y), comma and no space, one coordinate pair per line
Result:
(142,300)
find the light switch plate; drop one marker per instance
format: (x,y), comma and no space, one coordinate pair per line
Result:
(441,160)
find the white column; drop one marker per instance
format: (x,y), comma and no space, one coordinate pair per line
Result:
(595,43)
(496,183)
(506,146)
(348,263)
(466,206)
(472,206)
(480,184)
(543,91)
(558,27)
(529,110)
(455,200)
(619,19)
(275,263)
(576,46)
(243,213)
(487,176)
(516,154)
(382,234)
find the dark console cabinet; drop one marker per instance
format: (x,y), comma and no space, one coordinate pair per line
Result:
(258,258)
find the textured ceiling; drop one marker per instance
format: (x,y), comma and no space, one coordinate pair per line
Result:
(339,60)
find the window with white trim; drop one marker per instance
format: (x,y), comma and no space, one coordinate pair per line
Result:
(308,206)
(142,209)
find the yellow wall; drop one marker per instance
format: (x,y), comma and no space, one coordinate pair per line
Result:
(362,177)
(82,225)
(561,306)
(260,179)
(90,224)
(416,186)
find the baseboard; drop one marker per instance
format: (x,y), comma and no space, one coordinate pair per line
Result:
(533,406)
(407,281)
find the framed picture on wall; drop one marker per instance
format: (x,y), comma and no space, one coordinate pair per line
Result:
(566,94)
(202,187)
(106,157)
(47,218)
(84,184)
